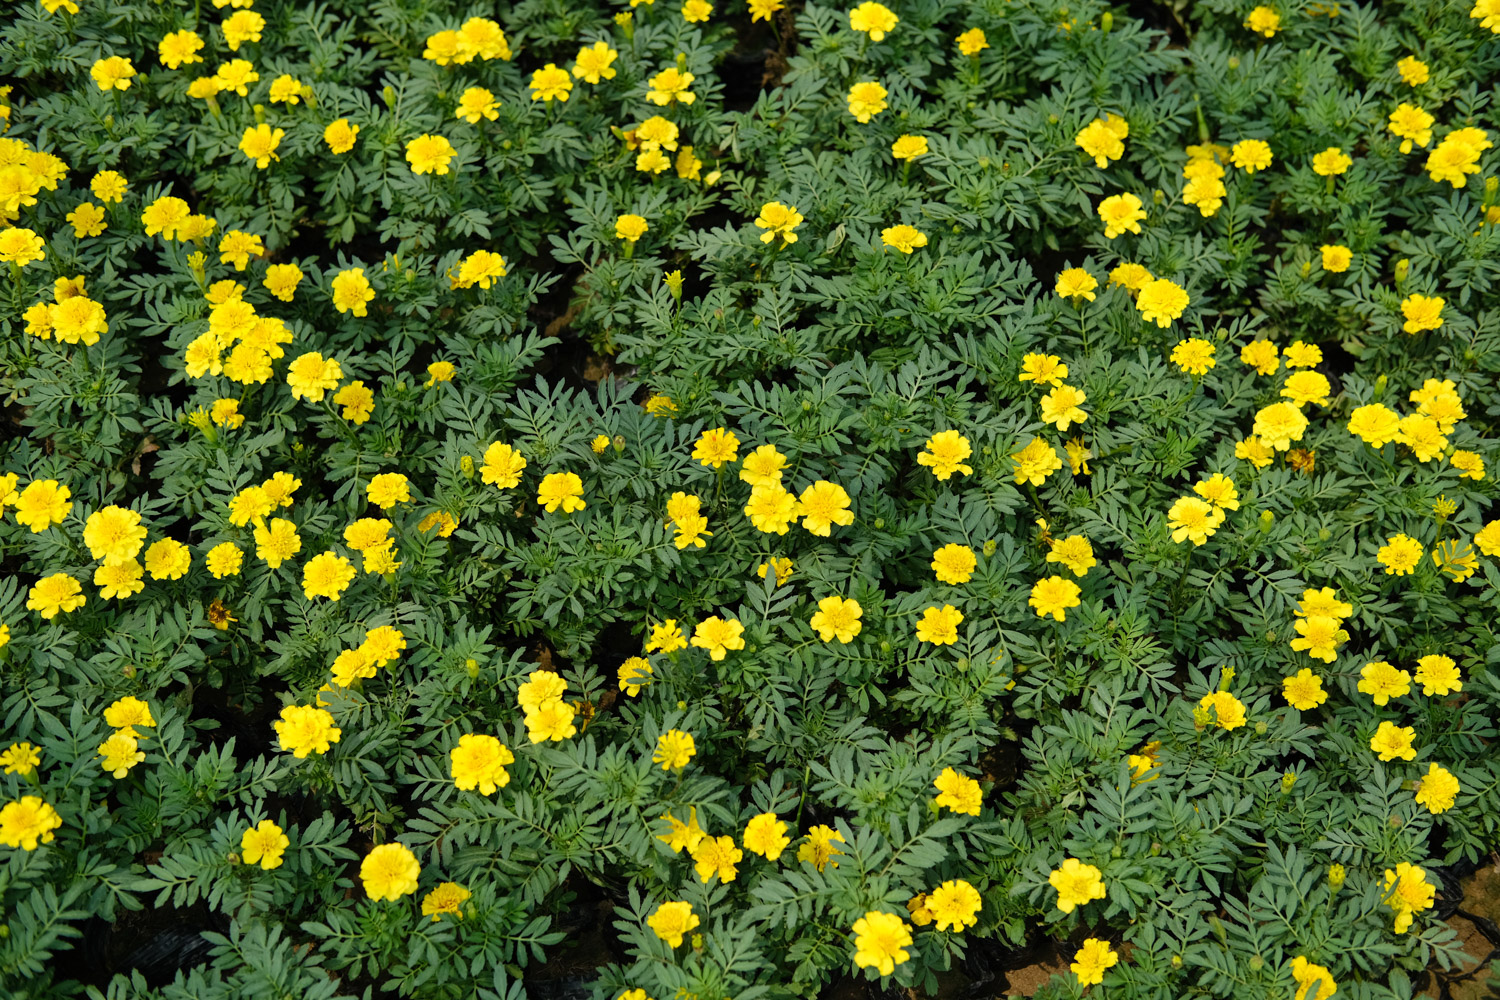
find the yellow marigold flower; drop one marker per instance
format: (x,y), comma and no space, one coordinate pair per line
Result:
(179,48)
(286,89)
(327,574)
(236,75)
(479,36)
(866,100)
(1336,258)
(1122,213)
(109,187)
(340,135)
(1251,155)
(630,228)
(670,86)
(762,467)
(1437,790)
(1053,596)
(1161,301)
(1304,690)
(1400,555)
(1391,742)
(873,19)
(1264,21)
(264,844)
(766,835)
(552,722)
(1408,892)
(666,638)
(634,674)
(1457,156)
(1423,435)
(718,636)
(445,898)
(1414,72)
(837,618)
(1043,369)
(939,626)
(1382,682)
(1438,675)
(1194,355)
(388,489)
(259,144)
(53,594)
(880,941)
(389,872)
(958,792)
(478,763)
(945,452)
(903,237)
(27,822)
(1229,711)
(430,154)
(1075,553)
(473,104)
(551,84)
(1331,162)
(696,11)
(1104,139)
(1193,519)
(778,220)
(119,581)
(682,835)
(87,220)
(1092,960)
(1077,884)
(44,502)
(114,534)
(674,748)
(954,905)
(19,758)
(1306,387)
(1076,283)
(112,73)
(1488,538)
(168,559)
(224,560)
(1422,313)
(1375,424)
(1319,636)
(1312,980)
(671,920)
(21,246)
(594,63)
(311,375)
(1035,462)
(716,856)
(954,563)
(1219,490)
(242,26)
(972,42)
(822,505)
(1412,125)
(1279,425)
(909,147)
(120,752)
(562,489)
(716,447)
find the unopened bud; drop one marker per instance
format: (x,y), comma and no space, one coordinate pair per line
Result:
(1288,779)
(472,666)
(1260,729)
(1336,877)
(1403,268)
(1106,21)
(1225,677)
(466,466)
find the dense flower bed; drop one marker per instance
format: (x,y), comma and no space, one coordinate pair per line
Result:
(838,492)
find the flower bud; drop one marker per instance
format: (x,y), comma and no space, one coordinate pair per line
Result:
(128,670)
(1257,963)
(388,95)
(1106,22)
(1116,852)
(1288,779)
(1336,877)
(466,466)
(1306,268)
(1260,729)
(1403,268)
(1225,677)
(673,281)
(472,666)
(1267,518)
(989,547)
(1200,718)
(1176,961)
(1380,383)
(619,442)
